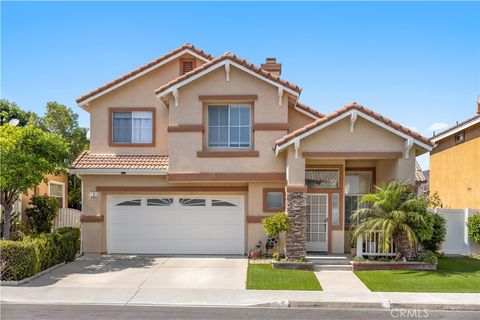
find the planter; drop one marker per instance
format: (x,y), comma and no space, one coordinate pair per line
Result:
(292,265)
(353,252)
(374,265)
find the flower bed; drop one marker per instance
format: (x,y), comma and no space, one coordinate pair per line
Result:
(392,265)
(25,258)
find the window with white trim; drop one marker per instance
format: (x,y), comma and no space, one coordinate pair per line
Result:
(56,190)
(229,126)
(357,184)
(132,127)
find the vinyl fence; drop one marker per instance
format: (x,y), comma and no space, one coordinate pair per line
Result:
(67,217)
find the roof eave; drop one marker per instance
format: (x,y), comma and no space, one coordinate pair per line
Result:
(118,171)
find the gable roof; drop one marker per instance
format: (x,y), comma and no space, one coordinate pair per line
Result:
(345,111)
(303,108)
(116,163)
(186,48)
(456,128)
(220,61)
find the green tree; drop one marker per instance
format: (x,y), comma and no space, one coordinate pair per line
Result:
(10,110)
(392,210)
(28,154)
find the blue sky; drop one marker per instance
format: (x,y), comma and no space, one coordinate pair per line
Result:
(417,63)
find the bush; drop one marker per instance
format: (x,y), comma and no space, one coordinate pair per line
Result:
(21,259)
(473,224)
(275,224)
(429,257)
(41,213)
(438,233)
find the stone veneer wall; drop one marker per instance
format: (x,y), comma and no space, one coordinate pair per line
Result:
(296,237)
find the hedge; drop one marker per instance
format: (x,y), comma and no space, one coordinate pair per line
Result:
(23,259)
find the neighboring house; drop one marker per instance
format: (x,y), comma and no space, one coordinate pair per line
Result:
(57,186)
(189,152)
(421,179)
(455,164)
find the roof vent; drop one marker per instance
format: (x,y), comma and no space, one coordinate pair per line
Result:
(272,66)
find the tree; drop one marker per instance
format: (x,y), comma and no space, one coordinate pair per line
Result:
(392,210)
(28,154)
(10,110)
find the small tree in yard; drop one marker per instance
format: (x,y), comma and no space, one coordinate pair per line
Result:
(40,214)
(276,224)
(473,224)
(27,154)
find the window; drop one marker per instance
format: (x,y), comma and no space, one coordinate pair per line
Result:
(222,203)
(187,202)
(186,65)
(229,126)
(322,178)
(130,203)
(460,137)
(335,209)
(357,184)
(56,190)
(132,127)
(273,200)
(161,202)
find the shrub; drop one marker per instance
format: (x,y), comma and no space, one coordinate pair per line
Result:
(473,224)
(439,231)
(429,257)
(275,224)
(19,260)
(41,213)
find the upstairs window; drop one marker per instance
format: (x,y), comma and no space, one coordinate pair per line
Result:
(229,126)
(56,190)
(134,127)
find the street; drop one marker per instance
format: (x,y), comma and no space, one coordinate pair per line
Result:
(93,312)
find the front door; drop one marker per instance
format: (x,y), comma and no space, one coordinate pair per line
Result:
(317,222)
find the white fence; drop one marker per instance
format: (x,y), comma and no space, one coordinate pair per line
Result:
(456,239)
(371,245)
(67,218)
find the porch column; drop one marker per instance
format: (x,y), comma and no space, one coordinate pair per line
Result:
(296,208)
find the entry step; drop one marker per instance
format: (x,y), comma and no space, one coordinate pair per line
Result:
(329,259)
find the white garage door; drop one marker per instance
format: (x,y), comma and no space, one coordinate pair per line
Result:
(175,224)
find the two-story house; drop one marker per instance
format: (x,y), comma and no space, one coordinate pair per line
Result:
(189,152)
(455,164)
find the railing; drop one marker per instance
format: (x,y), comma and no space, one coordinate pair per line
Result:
(371,245)
(67,217)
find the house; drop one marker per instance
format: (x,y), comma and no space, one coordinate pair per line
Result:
(455,164)
(189,152)
(57,186)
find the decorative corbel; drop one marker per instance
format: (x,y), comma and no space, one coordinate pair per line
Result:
(227,71)
(280,95)
(353,118)
(296,146)
(175,96)
(408,147)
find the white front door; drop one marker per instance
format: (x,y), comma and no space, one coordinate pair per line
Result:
(173,224)
(317,222)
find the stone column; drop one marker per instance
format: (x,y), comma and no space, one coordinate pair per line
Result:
(296,209)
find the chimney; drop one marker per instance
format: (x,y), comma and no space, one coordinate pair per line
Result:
(478,104)
(272,66)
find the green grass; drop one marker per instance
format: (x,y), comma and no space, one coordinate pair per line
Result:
(452,275)
(265,277)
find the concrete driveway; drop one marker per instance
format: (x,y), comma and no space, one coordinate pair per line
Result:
(179,272)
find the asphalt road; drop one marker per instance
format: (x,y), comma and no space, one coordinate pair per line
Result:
(93,312)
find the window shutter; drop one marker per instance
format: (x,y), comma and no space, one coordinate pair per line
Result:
(187,65)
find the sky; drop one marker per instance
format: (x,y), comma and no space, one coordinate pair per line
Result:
(417,63)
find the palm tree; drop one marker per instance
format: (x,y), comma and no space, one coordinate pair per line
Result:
(392,211)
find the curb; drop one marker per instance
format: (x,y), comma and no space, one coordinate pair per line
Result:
(16,283)
(377,305)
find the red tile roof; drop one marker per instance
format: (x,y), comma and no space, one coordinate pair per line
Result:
(87,160)
(347,108)
(143,68)
(419,175)
(306,108)
(235,59)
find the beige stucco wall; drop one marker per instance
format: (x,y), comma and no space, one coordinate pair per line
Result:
(296,119)
(42,189)
(184,146)
(135,94)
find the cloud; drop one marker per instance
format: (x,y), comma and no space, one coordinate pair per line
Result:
(438,126)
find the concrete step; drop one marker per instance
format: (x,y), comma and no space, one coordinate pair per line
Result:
(334,267)
(329,260)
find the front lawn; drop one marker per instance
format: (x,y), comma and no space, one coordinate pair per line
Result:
(452,275)
(265,277)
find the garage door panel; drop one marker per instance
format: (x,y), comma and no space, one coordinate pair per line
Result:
(216,227)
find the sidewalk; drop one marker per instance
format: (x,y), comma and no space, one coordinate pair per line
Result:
(239,298)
